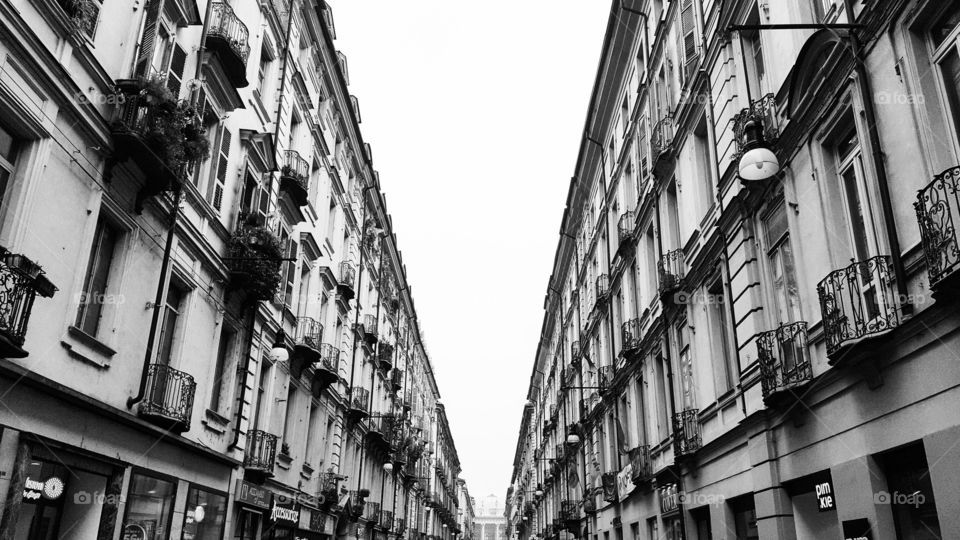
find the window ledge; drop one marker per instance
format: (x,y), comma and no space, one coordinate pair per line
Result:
(215,422)
(86,348)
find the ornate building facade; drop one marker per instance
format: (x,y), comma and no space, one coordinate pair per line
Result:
(206,329)
(750,329)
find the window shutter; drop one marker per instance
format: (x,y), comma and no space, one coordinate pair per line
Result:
(266,186)
(175,75)
(220,181)
(149,38)
(643,149)
(688,30)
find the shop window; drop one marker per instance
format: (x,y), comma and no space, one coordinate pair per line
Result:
(745,518)
(701,523)
(247,525)
(205,515)
(814,506)
(910,493)
(149,508)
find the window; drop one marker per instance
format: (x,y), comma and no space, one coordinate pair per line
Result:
(625,115)
(9,146)
(219,170)
(261,419)
(304,293)
(756,70)
(782,269)
(150,506)
(250,188)
(724,371)
(223,352)
(97,277)
(663,412)
(687,44)
(945,42)
(205,515)
(168,328)
(290,419)
(687,384)
(264,73)
(314,456)
(247,525)
(745,518)
(913,501)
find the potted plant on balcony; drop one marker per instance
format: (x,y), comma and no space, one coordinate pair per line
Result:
(82,14)
(255,256)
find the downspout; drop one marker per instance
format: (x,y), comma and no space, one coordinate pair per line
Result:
(158,300)
(878,162)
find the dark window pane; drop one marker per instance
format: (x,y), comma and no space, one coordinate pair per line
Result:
(945,24)
(98,274)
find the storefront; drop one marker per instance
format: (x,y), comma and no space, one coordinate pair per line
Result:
(252,502)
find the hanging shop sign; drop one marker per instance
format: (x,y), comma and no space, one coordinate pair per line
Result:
(50,489)
(625,482)
(287,515)
(669,499)
(825,497)
(252,495)
(857,529)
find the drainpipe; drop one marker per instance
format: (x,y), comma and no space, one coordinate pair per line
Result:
(158,300)
(869,110)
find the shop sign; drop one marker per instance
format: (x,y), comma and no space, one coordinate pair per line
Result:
(51,488)
(825,497)
(625,482)
(857,529)
(669,499)
(134,532)
(283,514)
(252,494)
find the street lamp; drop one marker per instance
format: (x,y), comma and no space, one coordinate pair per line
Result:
(388,467)
(758,161)
(573,438)
(279,352)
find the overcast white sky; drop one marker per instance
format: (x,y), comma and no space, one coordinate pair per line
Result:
(474,111)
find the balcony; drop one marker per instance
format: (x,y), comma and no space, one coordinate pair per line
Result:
(255,258)
(570,514)
(21,280)
(329,489)
(228,38)
(400,526)
(642,465)
(396,379)
(670,271)
(686,434)
(630,333)
(168,401)
(372,513)
(359,502)
(380,433)
(306,345)
(295,177)
(368,329)
(385,356)
(359,405)
(327,370)
(260,455)
(661,143)
(603,290)
(162,136)
(609,482)
(784,362)
(762,111)
(386,520)
(859,305)
(626,232)
(345,284)
(938,213)
(606,375)
(575,353)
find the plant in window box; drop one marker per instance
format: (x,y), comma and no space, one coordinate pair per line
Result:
(172,130)
(82,14)
(255,259)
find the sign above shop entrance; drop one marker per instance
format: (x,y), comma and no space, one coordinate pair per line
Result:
(857,529)
(825,497)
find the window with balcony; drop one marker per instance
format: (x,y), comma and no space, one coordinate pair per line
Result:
(97,279)
(662,404)
(170,325)
(688,387)
(860,233)
(219,402)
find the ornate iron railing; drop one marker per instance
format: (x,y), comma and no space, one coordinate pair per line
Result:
(169,396)
(308,332)
(641,463)
(630,333)
(661,138)
(626,226)
(784,358)
(575,351)
(858,301)
(686,432)
(261,451)
(762,110)
(372,512)
(606,374)
(295,167)
(609,482)
(370,324)
(225,24)
(569,510)
(20,281)
(603,288)
(938,213)
(329,358)
(329,487)
(359,398)
(386,519)
(348,275)
(670,270)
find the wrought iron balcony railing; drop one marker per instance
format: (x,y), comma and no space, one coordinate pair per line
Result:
(686,433)
(603,289)
(784,359)
(396,379)
(386,520)
(661,138)
(260,453)
(764,111)
(626,228)
(329,488)
(308,333)
(329,358)
(168,402)
(295,176)
(642,464)
(359,399)
(372,512)
(630,333)
(938,213)
(570,510)
(229,37)
(575,351)
(369,327)
(671,272)
(347,279)
(21,280)
(606,375)
(857,302)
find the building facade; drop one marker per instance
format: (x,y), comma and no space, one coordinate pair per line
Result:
(490,522)
(773,358)
(206,329)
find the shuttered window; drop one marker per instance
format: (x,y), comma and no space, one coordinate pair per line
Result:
(178,61)
(688,36)
(222,161)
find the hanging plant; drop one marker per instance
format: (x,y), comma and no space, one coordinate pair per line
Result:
(255,256)
(82,14)
(173,130)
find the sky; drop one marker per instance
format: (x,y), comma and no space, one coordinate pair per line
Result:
(474,112)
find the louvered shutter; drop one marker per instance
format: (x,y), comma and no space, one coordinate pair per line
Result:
(688,39)
(266,186)
(178,61)
(644,150)
(148,39)
(220,180)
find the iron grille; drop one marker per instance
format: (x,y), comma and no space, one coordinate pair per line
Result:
(670,270)
(359,398)
(686,432)
(630,332)
(641,464)
(784,358)
(938,213)
(764,111)
(308,332)
(626,226)
(225,24)
(169,396)
(261,451)
(329,358)
(20,281)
